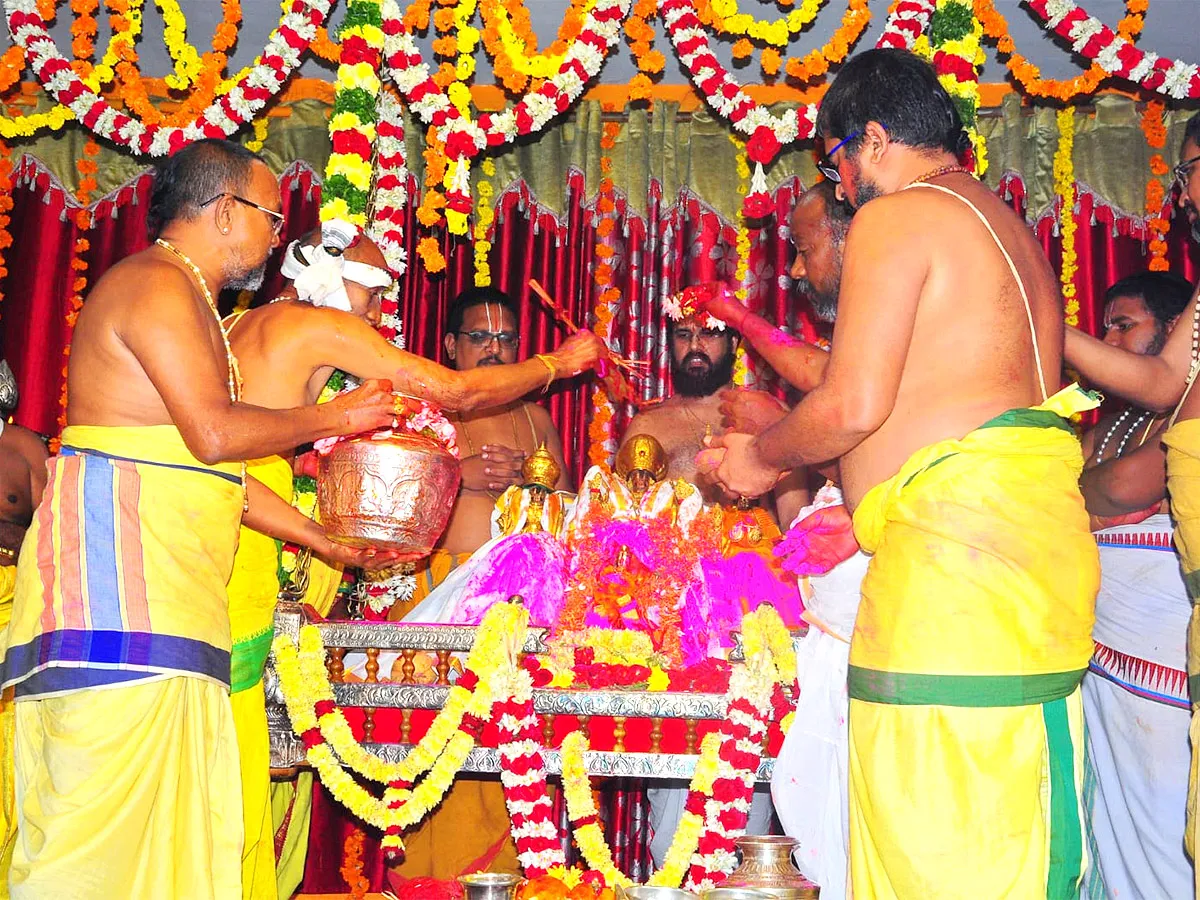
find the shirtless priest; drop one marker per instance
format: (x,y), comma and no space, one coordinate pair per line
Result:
(961,468)
(287,350)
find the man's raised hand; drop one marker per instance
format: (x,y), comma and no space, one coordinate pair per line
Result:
(578,353)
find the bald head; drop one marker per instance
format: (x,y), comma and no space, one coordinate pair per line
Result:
(818,224)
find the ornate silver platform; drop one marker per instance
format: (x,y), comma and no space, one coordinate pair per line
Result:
(374,638)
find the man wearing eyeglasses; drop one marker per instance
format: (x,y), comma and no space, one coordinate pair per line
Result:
(119,647)
(1159,383)
(961,469)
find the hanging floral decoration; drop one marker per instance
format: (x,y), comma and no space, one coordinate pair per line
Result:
(260,125)
(523,777)
(953,46)
(906,21)
(87,167)
(1157,224)
(649,61)
(221,119)
(386,226)
(602,444)
(484,217)
(742,375)
(1064,187)
(512,46)
(6,205)
(1029,76)
(1115,54)
(818,62)
(352,121)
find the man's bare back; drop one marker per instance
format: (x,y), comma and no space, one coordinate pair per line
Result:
(680,425)
(22,480)
(515,431)
(971,353)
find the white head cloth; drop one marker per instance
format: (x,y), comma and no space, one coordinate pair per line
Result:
(319,273)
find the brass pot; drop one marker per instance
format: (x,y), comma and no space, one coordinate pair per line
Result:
(394,494)
(767,867)
(489,886)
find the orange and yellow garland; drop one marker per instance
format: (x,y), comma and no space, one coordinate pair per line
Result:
(600,429)
(87,168)
(1156,223)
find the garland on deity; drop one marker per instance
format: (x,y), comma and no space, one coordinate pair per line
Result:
(953,47)
(602,445)
(352,122)
(1157,224)
(1064,188)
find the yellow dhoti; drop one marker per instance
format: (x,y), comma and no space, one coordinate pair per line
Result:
(253,590)
(126,792)
(469,830)
(1183,485)
(972,637)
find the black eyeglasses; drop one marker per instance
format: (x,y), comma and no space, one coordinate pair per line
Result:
(508,339)
(277,218)
(1184,169)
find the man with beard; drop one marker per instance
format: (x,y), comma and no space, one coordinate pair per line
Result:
(1157,382)
(809,786)
(119,645)
(974,627)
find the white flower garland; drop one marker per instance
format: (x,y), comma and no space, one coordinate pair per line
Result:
(225,116)
(1095,41)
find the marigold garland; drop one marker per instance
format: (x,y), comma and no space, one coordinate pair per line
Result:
(727,19)
(1157,224)
(816,63)
(603,444)
(641,37)
(511,44)
(484,217)
(585,818)
(352,865)
(742,374)
(87,167)
(1064,187)
(1028,75)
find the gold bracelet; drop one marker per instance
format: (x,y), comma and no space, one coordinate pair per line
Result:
(547,362)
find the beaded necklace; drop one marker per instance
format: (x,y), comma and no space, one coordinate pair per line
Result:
(235,376)
(1128,434)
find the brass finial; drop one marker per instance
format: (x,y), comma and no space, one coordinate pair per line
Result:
(541,470)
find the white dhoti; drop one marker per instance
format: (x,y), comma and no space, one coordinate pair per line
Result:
(1137,713)
(811,774)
